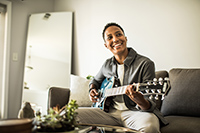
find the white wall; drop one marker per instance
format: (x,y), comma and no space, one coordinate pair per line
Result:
(168,32)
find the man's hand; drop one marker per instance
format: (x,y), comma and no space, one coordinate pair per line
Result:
(137,97)
(93,95)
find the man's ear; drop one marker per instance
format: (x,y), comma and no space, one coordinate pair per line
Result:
(105,45)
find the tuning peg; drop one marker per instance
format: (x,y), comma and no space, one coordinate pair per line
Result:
(163,96)
(156,97)
(149,83)
(159,90)
(150,97)
(147,91)
(153,90)
(160,81)
(166,78)
(155,81)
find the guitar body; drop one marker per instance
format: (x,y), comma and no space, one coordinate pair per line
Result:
(104,102)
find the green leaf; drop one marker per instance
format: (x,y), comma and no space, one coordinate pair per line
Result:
(89,77)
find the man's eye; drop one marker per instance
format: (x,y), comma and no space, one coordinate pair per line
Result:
(118,34)
(108,38)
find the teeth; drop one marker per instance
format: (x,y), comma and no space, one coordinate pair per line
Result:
(117,45)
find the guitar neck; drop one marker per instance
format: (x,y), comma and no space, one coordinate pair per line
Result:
(139,87)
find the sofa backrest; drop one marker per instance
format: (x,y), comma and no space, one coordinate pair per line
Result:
(184,95)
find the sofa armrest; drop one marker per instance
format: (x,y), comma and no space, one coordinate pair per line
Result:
(58,95)
(161,74)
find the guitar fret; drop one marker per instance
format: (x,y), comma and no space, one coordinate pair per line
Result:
(118,90)
(122,91)
(112,91)
(115,90)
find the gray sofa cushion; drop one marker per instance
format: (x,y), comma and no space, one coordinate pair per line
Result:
(181,124)
(184,96)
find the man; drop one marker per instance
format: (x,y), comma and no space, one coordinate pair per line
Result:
(132,109)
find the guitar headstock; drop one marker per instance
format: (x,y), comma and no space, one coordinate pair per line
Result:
(155,87)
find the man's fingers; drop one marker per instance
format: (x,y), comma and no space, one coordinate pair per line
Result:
(94,99)
(93,95)
(130,89)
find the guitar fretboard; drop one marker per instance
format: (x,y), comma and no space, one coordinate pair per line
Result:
(115,91)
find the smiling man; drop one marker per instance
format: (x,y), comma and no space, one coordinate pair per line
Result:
(130,109)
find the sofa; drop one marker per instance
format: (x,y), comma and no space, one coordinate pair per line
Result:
(180,107)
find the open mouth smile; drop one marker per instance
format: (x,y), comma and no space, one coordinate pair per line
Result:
(117,46)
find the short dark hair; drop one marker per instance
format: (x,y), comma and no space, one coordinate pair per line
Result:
(111,24)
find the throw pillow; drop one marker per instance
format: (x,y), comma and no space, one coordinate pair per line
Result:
(183,97)
(79,88)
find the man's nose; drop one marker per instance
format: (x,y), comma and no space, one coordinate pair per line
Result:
(115,39)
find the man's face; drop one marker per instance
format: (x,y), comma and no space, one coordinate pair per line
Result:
(115,40)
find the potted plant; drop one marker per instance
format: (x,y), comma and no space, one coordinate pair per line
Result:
(57,120)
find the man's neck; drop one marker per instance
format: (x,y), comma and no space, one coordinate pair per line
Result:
(121,57)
